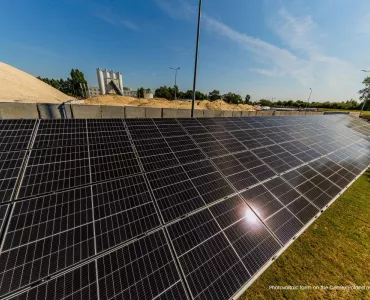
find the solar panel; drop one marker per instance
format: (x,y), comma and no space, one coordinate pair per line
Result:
(10,167)
(45,235)
(15,134)
(144,269)
(163,208)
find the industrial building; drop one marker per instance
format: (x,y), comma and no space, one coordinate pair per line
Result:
(111,82)
(93,91)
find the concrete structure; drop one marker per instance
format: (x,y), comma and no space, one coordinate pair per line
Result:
(109,82)
(134,112)
(198,113)
(86,111)
(176,113)
(112,112)
(208,113)
(52,111)
(93,91)
(153,112)
(129,92)
(11,110)
(148,94)
(237,113)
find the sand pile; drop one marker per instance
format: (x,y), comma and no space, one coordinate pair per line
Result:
(158,102)
(16,85)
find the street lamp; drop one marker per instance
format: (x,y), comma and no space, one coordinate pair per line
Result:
(309,97)
(175,69)
(196,58)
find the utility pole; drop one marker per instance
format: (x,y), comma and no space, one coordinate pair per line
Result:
(196,58)
(175,69)
(309,97)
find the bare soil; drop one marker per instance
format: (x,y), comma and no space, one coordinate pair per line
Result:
(18,86)
(117,100)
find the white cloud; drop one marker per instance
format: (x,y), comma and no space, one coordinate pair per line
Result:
(303,59)
(177,9)
(130,25)
(364,25)
(116,21)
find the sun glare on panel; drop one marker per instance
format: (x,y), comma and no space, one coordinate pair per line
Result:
(250,216)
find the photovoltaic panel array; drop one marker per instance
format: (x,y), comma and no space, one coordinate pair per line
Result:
(163,208)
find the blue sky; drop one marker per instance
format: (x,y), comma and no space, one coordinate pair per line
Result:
(267,48)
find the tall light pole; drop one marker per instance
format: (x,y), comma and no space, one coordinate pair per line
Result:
(196,58)
(175,69)
(309,97)
(363,105)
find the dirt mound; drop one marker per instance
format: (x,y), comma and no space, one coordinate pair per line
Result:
(159,102)
(16,85)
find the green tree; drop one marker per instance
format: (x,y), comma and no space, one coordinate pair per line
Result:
(233,98)
(247,99)
(140,92)
(78,83)
(163,92)
(189,95)
(365,94)
(215,95)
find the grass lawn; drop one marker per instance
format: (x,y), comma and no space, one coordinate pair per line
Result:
(333,251)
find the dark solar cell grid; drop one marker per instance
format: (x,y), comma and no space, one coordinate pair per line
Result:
(252,241)
(232,145)
(242,180)
(59,140)
(142,132)
(248,159)
(3,211)
(54,169)
(262,201)
(228,165)
(190,232)
(168,130)
(214,128)
(211,255)
(277,164)
(123,209)
(141,122)
(212,187)
(284,225)
(303,209)
(319,194)
(194,130)
(141,270)
(174,193)
(155,154)
(282,190)
(107,125)
(262,173)
(10,166)
(111,161)
(45,235)
(13,139)
(204,138)
(223,136)
(80,283)
(9,124)
(103,137)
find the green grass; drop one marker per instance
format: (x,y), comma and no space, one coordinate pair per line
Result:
(333,251)
(344,110)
